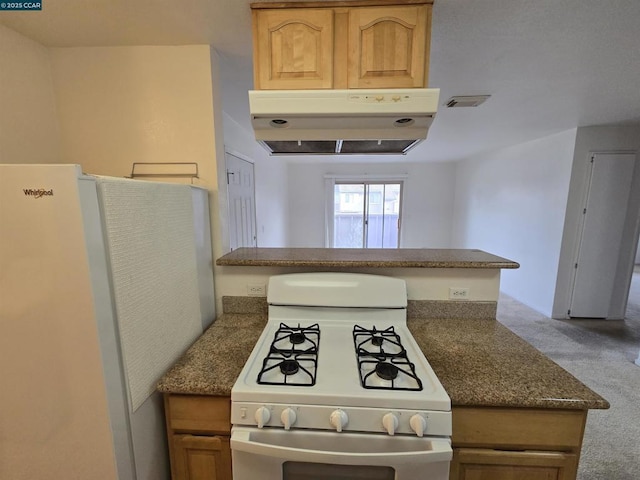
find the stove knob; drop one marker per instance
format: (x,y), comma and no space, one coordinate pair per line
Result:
(288,417)
(418,424)
(338,419)
(390,423)
(262,416)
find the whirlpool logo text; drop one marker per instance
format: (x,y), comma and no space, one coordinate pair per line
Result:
(38,192)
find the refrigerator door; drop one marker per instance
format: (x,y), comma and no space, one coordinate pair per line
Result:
(54,413)
(204,255)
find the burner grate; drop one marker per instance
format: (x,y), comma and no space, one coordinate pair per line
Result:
(383,362)
(297,370)
(381,344)
(293,340)
(292,358)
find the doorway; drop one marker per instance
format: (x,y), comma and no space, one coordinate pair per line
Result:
(241,202)
(601,240)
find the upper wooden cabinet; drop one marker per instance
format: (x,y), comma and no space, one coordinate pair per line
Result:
(388,47)
(294,48)
(359,44)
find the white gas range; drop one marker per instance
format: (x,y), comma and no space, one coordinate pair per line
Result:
(336,387)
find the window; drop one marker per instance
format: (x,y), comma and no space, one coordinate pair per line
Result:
(364,213)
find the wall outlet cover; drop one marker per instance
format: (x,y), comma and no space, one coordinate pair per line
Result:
(256,290)
(458,293)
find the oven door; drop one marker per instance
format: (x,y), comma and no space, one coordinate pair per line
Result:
(271,454)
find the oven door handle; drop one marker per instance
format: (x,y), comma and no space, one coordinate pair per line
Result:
(440,452)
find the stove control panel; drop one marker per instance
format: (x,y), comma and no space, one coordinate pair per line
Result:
(342,419)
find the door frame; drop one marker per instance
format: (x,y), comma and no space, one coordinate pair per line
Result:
(579,249)
(564,291)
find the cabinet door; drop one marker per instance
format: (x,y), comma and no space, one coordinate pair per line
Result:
(480,464)
(293,48)
(388,46)
(202,458)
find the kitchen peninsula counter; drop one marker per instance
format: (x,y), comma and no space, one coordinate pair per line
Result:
(514,411)
(480,363)
(364,258)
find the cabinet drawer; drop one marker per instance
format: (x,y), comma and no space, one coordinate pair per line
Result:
(198,414)
(478,464)
(518,429)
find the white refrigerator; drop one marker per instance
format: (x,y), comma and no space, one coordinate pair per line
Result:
(104,283)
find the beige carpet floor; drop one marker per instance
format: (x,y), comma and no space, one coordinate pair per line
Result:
(600,353)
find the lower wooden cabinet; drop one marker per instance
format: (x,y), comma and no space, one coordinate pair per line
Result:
(516,443)
(201,458)
(198,430)
(484,464)
(488,443)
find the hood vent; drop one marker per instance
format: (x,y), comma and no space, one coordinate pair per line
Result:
(342,122)
(466,101)
(338,147)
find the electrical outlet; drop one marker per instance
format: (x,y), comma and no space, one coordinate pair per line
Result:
(458,293)
(256,290)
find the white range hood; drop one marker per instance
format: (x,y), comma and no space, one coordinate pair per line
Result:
(335,122)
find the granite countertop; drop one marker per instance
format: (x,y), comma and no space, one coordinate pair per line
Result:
(364,258)
(479,362)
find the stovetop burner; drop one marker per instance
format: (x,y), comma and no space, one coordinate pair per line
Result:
(381,344)
(292,340)
(289,367)
(382,360)
(292,358)
(386,371)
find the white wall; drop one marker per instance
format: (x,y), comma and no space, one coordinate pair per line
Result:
(271,187)
(512,203)
(270,172)
(219,224)
(120,105)
(427,210)
(422,284)
(598,139)
(29,128)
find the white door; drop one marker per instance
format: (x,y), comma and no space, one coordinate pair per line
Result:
(241,198)
(603,224)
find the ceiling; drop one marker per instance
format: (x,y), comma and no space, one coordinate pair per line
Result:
(548,65)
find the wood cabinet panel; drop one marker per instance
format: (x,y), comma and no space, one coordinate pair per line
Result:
(293,48)
(198,413)
(201,458)
(514,428)
(485,440)
(388,46)
(479,464)
(323,45)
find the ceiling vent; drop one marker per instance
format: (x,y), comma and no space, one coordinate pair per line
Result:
(466,101)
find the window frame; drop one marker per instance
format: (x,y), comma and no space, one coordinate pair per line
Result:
(332,180)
